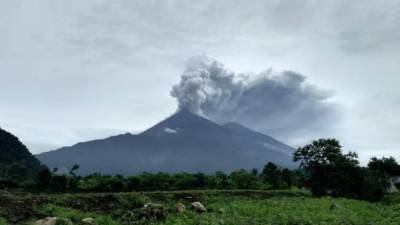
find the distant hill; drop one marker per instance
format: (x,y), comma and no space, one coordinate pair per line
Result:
(184,142)
(13,151)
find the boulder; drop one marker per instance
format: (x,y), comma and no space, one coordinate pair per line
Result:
(53,221)
(198,207)
(180,208)
(154,210)
(221,211)
(89,221)
(47,221)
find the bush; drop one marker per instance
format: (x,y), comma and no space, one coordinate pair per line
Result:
(331,172)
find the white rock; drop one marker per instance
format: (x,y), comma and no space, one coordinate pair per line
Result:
(89,221)
(198,207)
(52,221)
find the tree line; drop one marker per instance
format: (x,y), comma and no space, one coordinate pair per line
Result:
(271,177)
(324,169)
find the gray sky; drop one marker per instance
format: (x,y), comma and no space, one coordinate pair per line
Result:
(77,70)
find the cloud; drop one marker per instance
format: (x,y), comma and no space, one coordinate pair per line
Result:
(280,103)
(103,63)
(127,31)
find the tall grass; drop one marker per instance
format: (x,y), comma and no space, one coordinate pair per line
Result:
(2,221)
(75,216)
(289,211)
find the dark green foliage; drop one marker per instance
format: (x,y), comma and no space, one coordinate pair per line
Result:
(43,179)
(221,180)
(384,169)
(59,183)
(272,175)
(323,152)
(324,169)
(243,179)
(288,177)
(385,166)
(280,178)
(13,152)
(73,170)
(17,172)
(331,172)
(99,183)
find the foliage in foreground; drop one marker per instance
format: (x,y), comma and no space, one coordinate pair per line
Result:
(239,208)
(75,216)
(294,210)
(330,171)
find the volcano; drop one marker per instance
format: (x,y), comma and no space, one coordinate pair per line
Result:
(184,142)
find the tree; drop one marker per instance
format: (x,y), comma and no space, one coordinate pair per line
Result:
(384,168)
(254,171)
(43,178)
(14,152)
(17,172)
(243,179)
(221,180)
(323,152)
(200,180)
(74,169)
(329,170)
(272,175)
(59,183)
(133,184)
(287,178)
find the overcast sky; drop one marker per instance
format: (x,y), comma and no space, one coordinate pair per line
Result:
(76,70)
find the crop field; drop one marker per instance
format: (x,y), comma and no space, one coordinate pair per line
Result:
(223,207)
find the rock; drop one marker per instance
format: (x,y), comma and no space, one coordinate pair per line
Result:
(180,208)
(47,221)
(198,207)
(53,221)
(154,210)
(89,221)
(221,210)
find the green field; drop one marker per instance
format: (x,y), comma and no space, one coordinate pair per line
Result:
(224,207)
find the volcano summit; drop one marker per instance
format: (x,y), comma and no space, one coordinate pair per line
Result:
(184,142)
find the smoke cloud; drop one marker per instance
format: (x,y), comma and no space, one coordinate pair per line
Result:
(278,103)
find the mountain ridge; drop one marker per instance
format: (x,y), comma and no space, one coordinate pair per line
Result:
(13,151)
(183,142)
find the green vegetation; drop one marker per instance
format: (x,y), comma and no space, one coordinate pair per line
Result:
(230,207)
(17,164)
(14,154)
(52,182)
(2,221)
(324,170)
(281,210)
(74,215)
(337,186)
(329,171)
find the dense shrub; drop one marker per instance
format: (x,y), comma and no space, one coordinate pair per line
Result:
(329,171)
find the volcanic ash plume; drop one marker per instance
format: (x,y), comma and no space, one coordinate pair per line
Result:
(278,103)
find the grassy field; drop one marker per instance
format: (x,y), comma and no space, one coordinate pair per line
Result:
(224,207)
